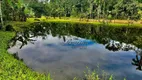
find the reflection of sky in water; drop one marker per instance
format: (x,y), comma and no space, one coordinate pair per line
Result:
(65,60)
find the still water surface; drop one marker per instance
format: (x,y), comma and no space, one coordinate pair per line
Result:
(65,50)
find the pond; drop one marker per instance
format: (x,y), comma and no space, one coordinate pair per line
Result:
(66,49)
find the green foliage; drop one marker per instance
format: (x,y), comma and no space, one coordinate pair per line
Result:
(38,8)
(111,77)
(127,9)
(94,75)
(15,10)
(96,9)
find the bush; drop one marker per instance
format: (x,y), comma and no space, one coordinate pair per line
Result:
(9,28)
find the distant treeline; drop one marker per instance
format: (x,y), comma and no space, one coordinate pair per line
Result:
(91,9)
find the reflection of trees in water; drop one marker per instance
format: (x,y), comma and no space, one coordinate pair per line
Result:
(24,38)
(138,60)
(88,31)
(113,46)
(114,39)
(38,29)
(116,46)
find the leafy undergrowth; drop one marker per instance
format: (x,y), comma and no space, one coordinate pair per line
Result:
(13,69)
(94,75)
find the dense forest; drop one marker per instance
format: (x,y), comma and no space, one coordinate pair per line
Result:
(19,10)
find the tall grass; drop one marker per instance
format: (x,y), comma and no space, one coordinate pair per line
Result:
(95,75)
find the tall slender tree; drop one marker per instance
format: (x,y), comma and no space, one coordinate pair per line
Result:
(1,16)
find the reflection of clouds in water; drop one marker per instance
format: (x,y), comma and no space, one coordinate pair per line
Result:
(127,71)
(119,64)
(71,61)
(51,55)
(73,43)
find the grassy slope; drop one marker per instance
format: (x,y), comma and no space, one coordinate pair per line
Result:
(12,69)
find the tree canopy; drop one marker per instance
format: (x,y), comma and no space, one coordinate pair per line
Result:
(93,9)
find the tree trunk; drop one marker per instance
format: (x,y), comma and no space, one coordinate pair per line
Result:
(103,11)
(1,14)
(90,10)
(13,14)
(98,12)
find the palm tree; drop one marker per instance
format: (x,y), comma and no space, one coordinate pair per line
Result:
(1,13)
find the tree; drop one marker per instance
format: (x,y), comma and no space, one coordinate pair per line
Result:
(98,9)
(38,8)
(1,14)
(127,9)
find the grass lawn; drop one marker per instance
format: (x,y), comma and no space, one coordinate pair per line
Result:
(113,23)
(118,23)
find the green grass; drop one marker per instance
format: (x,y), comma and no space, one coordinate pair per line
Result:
(124,25)
(19,25)
(76,20)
